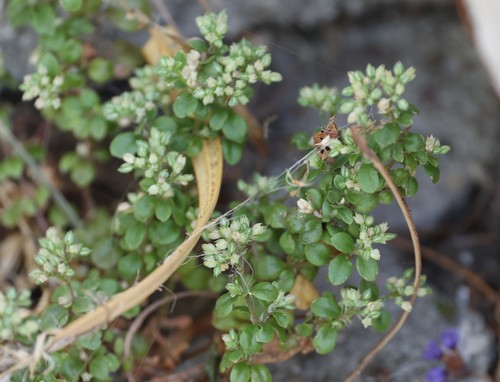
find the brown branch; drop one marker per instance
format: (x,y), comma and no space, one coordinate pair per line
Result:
(368,153)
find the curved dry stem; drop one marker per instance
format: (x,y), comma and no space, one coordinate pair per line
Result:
(368,153)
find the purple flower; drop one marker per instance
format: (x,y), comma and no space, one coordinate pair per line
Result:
(436,374)
(432,351)
(449,338)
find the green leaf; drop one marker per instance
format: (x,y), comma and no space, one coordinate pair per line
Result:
(240,373)
(284,318)
(304,329)
(54,316)
(326,307)
(387,135)
(368,178)
(144,208)
(164,233)
(367,268)
(265,291)
(198,44)
(287,242)
(185,104)
(71,5)
(121,144)
(433,172)
(43,19)
(268,267)
(83,174)
(248,339)
(317,254)
(339,269)
(49,61)
(312,232)
(98,128)
(260,373)
(135,235)
(316,197)
(295,221)
(413,142)
(343,242)
(275,215)
(265,334)
(166,124)
(100,70)
(72,368)
(129,266)
(235,128)
(104,254)
(325,339)
(102,365)
(224,305)
(163,209)
(81,305)
(364,202)
(232,151)
(218,119)
(91,341)
(382,323)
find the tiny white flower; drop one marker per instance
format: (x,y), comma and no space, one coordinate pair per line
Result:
(305,206)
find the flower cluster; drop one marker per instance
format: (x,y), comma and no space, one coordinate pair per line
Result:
(380,87)
(45,88)
(242,67)
(228,75)
(14,319)
(400,289)
(129,107)
(232,239)
(162,168)
(354,302)
(213,27)
(55,255)
(324,98)
(369,235)
(433,146)
(446,351)
(261,185)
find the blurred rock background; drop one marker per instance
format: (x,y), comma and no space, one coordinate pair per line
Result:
(318,41)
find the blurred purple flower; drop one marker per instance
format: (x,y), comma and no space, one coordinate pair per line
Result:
(449,338)
(436,374)
(432,351)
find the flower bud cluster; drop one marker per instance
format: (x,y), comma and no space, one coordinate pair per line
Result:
(261,185)
(377,86)
(243,66)
(129,107)
(227,75)
(44,88)
(354,302)
(15,320)
(324,98)
(213,27)
(283,301)
(55,255)
(231,242)
(153,160)
(369,235)
(401,289)
(433,146)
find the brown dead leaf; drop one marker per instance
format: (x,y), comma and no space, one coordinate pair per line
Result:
(304,291)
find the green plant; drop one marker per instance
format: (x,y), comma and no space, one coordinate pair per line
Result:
(287,229)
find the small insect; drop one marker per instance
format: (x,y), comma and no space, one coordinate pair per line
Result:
(322,138)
